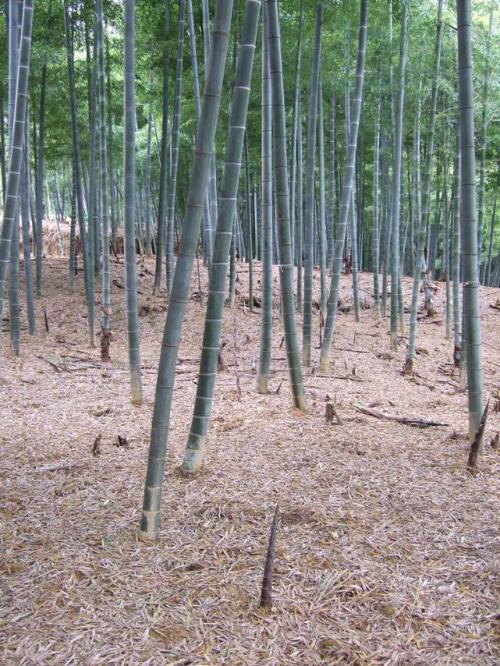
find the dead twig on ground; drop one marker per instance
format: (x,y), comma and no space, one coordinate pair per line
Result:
(417,423)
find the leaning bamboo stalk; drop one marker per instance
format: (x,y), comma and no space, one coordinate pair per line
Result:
(347,184)
(283,204)
(267,223)
(16,147)
(150,520)
(216,292)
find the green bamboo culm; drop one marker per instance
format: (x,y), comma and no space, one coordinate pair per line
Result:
(455,260)
(226,210)
(129,210)
(162,195)
(266,322)
(296,120)
(468,218)
(347,184)
(103,183)
(150,520)
(169,253)
(396,181)
(322,207)
(424,207)
(16,145)
(77,170)
(25,217)
(376,207)
(483,140)
(15,17)
(39,181)
(283,204)
(330,230)
(92,188)
(312,116)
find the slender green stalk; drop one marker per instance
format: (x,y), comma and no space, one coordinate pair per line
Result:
(490,243)
(16,147)
(332,210)
(2,148)
(347,184)
(25,217)
(248,218)
(266,321)
(111,170)
(483,138)
(77,167)
(92,202)
(422,221)
(312,116)
(296,121)
(129,205)
(354,253)
(446,239)
(300,205)
(322,208)
(103,182)
(207,224)
(15,17)
(169,254)
(468,219)
(179,296)
(215,305)
(72,233)
(376,207)
(162,198)
(283,204)
(455,261)
(396,180)
(147,186)
(39,180)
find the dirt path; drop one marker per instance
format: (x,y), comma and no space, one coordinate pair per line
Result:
(387,552)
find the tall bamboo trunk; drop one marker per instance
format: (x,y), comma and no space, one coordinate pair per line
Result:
(103,185)
(322,209)
(283,204)
(129,204)
(347,184)
(396,181)
(422,222)
(376,207)
(40,180)
(483,138)
(215,305)
(169,254)
(266,321)
(468,219)
(312,115)
(77,167)
(150,520)
(162,197)
(16,147)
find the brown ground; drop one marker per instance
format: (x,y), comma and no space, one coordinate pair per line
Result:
(386,551)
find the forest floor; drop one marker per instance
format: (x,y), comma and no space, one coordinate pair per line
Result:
(387,552)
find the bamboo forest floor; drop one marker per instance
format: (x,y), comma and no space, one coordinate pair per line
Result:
(387,551)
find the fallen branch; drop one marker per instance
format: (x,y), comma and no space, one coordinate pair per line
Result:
(56,467)
(417,423)
(55,366)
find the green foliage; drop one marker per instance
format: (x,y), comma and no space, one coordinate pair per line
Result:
(339,28)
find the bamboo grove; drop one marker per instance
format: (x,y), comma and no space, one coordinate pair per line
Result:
(299,134)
